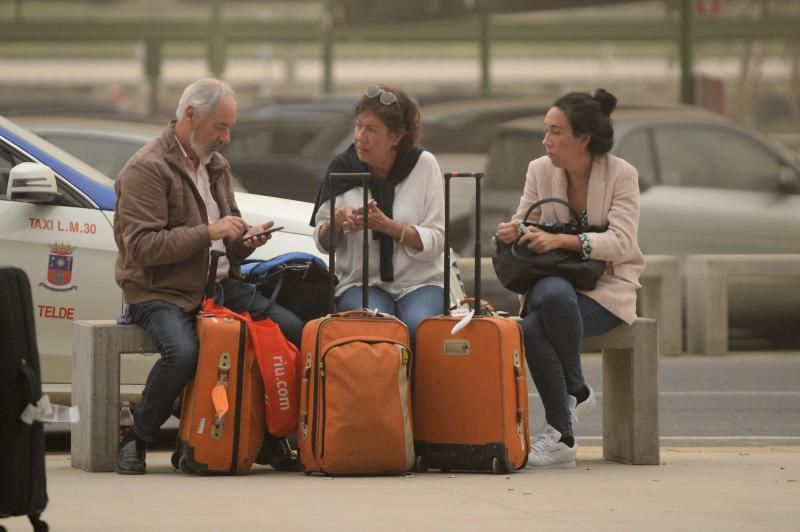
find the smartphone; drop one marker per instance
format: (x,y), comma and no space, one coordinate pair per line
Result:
(267,232)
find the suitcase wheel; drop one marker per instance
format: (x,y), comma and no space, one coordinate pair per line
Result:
(175,459)
(37,523)
(183,465)
(420,466)
(498,467)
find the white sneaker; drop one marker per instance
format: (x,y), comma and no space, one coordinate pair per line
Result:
(577,411)
(549,453)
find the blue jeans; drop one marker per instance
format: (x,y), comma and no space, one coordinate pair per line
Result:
(557,319)
(411,309)
(173,331)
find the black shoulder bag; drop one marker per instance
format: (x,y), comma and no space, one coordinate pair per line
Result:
(518,268)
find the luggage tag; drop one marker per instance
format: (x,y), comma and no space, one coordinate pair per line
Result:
(219,396)
(49,413)
(463,322)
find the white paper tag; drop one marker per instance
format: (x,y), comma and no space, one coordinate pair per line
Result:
(462,322)
(48,413)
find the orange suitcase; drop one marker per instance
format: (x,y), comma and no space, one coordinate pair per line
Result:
(222,413)
(208,442)
(470,388)
(355,411)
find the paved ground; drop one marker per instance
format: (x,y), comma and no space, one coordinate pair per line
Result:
(748,402)
(730,489)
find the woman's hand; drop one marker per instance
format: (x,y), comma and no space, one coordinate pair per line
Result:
(508,232)
(542,241)
(345,220)
(378,221)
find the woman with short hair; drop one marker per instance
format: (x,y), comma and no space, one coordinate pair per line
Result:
(406,212)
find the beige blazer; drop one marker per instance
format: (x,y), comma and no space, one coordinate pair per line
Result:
(613,199)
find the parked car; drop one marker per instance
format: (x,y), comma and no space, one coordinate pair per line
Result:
(60,234)
(707,186)
(283,149)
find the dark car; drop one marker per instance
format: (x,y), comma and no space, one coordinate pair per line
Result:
(283,149)
(707,186)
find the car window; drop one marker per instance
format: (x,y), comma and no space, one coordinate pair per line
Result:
(509,156)
(714,157)
(108,155)
(636,148)
(7,161)
(9,158)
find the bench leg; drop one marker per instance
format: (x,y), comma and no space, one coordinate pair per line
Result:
(95,389)
(630,400)
(661,299)
(706,308)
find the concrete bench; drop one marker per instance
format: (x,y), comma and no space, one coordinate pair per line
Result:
(96,350)
(661,295)
(630,391)
(707,293)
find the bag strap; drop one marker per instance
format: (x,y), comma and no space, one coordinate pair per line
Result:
(551,200)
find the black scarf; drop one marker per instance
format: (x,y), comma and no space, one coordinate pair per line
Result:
(382,190)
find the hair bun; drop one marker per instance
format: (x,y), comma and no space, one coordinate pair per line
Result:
(607,101)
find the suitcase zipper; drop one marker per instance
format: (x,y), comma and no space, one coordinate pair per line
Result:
(239,392)
(316,395)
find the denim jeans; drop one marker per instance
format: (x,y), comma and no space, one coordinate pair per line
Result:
(173,331)
(411,309)
(557,319)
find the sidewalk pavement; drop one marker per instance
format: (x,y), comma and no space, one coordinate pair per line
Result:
(722,488)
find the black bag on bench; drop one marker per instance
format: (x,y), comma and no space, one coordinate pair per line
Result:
(297,281)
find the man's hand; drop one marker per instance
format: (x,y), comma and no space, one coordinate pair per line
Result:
(229,228)
(260,240)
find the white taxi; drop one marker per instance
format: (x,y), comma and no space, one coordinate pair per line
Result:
(56,217)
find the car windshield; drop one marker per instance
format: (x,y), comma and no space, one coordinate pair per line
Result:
(64,157)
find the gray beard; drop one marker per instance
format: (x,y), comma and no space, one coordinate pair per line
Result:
(203,153)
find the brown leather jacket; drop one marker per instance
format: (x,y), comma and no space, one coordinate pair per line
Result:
(161,225)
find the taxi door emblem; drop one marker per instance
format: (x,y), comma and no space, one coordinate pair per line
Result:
(59,269)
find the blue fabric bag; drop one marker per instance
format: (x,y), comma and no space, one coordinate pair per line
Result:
(297,281)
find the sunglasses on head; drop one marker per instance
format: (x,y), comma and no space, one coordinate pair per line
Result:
(386,97)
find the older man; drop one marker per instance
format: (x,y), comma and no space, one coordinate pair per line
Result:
(175,204)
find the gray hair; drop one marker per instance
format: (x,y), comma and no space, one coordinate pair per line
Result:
(203,95)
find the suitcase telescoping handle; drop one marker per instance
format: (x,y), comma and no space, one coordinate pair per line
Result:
(212,272)
(477,296)
(364,177)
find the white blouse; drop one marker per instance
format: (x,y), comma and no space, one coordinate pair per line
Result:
(418,202)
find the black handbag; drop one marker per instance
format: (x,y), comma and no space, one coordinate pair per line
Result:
(519,268)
